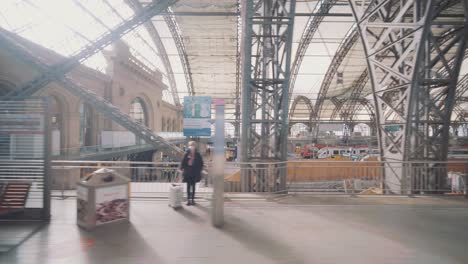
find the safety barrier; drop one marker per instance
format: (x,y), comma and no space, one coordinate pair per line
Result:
(148,178)
(345,177)
(351,177)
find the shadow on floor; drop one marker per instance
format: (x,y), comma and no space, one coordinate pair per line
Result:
(14,233)
(185,212)
(58,243)
(124,242)
(260,242)
(203,208)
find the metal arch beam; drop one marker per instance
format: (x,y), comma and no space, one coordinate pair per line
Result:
(356,90)
(322,7)
(351,37)
(354,103)
(298,99)
(358,105)
(340,55)
(359,84)
(369,107)
(176,36)
(462,87)
(59,70)
(461,113)
(348,113)
(309,105)
(402,82)
(153,32)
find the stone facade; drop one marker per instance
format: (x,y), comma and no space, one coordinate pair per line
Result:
(126,79)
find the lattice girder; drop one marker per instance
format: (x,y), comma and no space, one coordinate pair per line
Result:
(414,52)
(267,41)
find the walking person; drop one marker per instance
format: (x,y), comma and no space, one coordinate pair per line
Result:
(191,166)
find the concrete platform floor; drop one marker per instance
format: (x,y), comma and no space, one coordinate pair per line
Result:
(286,229)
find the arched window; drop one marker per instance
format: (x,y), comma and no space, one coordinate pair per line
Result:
(168,125)
(56,134)
(55,112)
(364,129)
(299,129)
(229,130)
(138,111)
(85,124)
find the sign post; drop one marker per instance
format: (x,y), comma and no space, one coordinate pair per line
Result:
(217,213)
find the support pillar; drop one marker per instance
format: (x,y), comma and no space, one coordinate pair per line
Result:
(217,211)
(266,59)
(413,56)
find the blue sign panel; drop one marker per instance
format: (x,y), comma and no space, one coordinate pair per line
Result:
(197,116)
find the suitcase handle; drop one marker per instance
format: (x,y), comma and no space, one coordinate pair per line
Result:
(178,177)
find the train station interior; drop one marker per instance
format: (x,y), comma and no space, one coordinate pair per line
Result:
(233,131)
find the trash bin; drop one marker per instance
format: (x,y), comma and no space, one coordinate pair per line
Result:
(102,198)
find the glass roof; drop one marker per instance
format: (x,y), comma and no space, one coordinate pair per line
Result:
(65,26)
(210,41)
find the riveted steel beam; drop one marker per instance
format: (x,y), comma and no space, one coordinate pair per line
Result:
(313,23)
(308,103)
(266,59)
(413,100)
(171,22)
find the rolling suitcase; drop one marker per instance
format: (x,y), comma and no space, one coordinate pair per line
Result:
(176,193)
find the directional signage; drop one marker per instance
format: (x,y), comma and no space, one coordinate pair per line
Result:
(197,116)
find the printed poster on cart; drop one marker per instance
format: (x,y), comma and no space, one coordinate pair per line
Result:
(82,203)
(111,204)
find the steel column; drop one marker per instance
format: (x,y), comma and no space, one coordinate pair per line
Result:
(267,41)
(237,112)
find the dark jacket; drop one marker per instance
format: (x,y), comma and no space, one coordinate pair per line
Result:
(192,173)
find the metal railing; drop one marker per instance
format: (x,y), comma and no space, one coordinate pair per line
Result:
(148,178)
(83,151)
(373,177)
(342,177)
(352,177)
